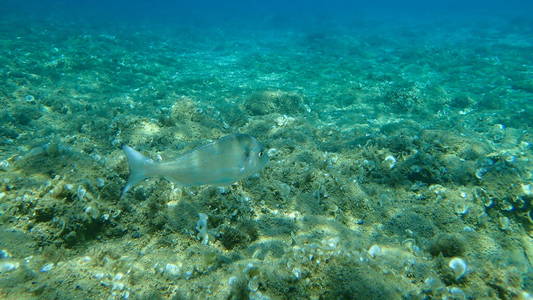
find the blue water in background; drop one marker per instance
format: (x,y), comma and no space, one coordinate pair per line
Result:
(260,12)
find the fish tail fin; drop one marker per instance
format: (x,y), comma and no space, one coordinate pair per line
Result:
(139,166)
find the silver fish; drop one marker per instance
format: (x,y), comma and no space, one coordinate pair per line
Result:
(221,162)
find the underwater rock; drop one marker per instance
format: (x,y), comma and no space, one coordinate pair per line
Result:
(267,102)
(8,132)
(347,280)
(186,111)
(462,101)
(448,245)
(232,237)
(491,101)
(410,221)
(403,98)
(25,114)
(525,85)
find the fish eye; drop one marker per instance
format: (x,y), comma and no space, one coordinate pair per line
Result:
(260,153)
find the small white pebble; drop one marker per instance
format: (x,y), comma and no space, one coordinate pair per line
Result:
(47,267)
(527,189)
(117,286)
(331,243)
(468,229)
(459,267)
(8,266)
(232,280)
(81,192)
(431,283)
(172,203)
(172,270)
(86,259)
(461,208)
(188,275)
(100,182)
(249,267)
(253,284)
(116,142)
(222,190)
(272,152)
(374,251)
(457,293)
(4,254)
(118,276)
(29,98)
(505,223)
(391,161)
(297,273)
(4,164)
(480,172)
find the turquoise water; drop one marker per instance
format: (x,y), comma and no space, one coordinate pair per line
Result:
(399,140)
